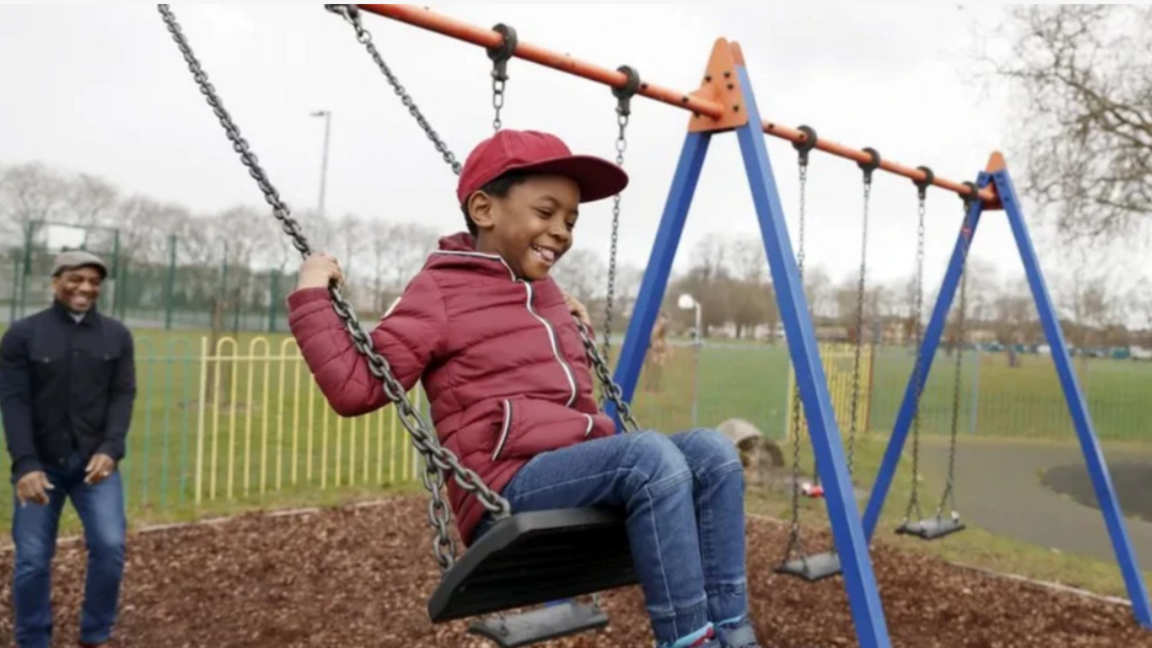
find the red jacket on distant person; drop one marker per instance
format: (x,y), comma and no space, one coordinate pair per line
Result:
(501,359)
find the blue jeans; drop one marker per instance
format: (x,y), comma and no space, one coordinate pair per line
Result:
(34,528)
(683,495)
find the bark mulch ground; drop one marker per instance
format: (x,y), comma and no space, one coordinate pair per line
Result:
(361,577)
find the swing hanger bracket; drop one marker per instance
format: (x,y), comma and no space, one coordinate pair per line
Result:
(503,52)
(870,166)
(625,92)
(925,182)
(805,146)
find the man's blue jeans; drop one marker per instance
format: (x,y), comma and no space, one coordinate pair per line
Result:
(34,529)
(684,499)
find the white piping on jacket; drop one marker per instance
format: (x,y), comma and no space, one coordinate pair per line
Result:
(528,304)
(504,430)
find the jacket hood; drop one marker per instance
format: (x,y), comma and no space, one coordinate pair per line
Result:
(458,242)
(459,250)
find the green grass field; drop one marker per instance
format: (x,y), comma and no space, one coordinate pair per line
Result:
(272,442)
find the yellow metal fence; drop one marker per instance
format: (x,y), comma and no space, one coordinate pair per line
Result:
(243,419)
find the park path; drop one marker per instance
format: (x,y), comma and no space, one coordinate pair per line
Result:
(999,487)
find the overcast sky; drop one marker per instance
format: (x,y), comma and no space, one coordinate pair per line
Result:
(104,90)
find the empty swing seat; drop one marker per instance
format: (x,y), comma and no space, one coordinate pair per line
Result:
(931,528)
(812,568)
(536,557)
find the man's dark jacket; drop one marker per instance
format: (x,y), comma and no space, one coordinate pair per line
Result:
(65,386)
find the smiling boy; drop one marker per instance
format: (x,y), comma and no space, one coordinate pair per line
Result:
(494,340)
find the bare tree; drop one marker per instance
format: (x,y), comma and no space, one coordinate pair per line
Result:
(819,292)
(582,273)
(708,256)
(1086,129)
(747,259)
(750,305)
(90,200)
(30,192)
(1015,320)
(1140,302)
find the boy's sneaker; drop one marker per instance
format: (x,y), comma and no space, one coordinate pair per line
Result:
(740,635)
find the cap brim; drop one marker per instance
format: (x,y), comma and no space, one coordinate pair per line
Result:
(596,177)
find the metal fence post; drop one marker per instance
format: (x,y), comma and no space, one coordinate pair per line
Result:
(170,284)
(273,298)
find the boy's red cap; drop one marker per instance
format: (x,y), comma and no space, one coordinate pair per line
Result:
(512,150)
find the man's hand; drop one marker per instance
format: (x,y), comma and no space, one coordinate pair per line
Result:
(577,309)
(34,488)
(319,271)
(100,466)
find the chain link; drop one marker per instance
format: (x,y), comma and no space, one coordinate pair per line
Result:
(497,101)
(914,499)
(438,459)
(351,14)
(614,393)
(500,56)
(949,496)
(859,325)
(795,544)
(621,146)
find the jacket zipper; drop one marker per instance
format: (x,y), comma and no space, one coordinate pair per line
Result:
(547,327)
(555,348)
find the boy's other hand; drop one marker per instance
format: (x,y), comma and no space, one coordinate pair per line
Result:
(577,309)
(319,271)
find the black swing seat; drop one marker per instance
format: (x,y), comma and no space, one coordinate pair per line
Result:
(812,568)
(931,528)
(536,557)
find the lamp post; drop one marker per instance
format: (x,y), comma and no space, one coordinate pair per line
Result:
(688,302)
(327,115)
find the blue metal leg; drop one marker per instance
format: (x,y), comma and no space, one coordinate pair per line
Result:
(851,544)
(1093,455)
(659,268)
(928,346)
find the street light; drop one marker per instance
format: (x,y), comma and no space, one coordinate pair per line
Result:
(688,302)
(327,115)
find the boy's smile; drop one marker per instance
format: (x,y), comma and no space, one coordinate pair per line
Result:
(531,227)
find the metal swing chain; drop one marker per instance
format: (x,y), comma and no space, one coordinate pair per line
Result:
(949,496)
(921,209)
(621,145)
(438,458)
(795,544)
(352,15)
(623,112)
(868,168)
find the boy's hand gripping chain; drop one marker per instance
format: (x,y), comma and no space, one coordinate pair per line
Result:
(438,458)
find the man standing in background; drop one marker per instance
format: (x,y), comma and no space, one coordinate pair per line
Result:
(67,387)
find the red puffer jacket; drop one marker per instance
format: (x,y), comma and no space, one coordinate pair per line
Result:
(501,360)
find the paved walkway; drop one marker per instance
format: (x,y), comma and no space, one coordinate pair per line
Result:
(1000,487)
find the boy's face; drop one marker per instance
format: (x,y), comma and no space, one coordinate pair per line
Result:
(531,227)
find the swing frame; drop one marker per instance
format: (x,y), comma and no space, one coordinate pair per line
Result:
(724,103)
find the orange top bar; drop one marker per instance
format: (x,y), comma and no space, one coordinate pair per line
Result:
(487,38)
